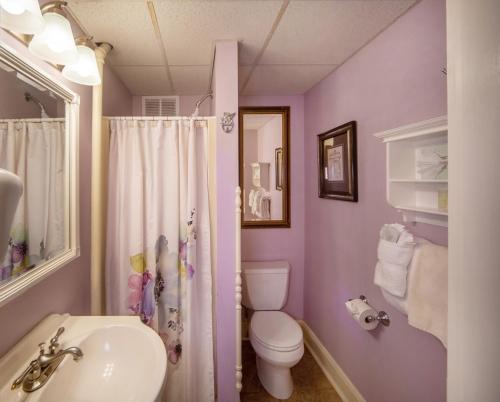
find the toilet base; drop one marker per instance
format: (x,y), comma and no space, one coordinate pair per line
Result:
(277,380)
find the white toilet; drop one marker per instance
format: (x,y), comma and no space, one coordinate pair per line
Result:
(275,336)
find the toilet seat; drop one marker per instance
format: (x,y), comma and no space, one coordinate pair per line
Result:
(275,330)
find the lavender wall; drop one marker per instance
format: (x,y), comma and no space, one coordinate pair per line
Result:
(226,100)
(394,80)
(68,289)
(116,98)
(288,244)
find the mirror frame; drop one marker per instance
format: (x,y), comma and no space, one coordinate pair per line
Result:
(23,282)
(284,111)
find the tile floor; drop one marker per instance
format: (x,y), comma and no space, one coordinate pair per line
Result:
(310,384)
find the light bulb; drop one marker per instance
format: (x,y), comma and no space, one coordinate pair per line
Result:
(55,43)
(14,7)
(84,70)
(21,16)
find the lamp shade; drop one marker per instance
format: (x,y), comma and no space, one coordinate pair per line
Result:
(21,16)
(55,42)
(84,71)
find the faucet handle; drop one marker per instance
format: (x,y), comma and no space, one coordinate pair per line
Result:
(57,335)
(41,345)
(54,341)
(33,370)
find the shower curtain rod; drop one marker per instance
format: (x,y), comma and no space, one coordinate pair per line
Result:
(33,120)
(162,118)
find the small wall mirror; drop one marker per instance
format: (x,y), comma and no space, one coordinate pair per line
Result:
(264,166)
(38,143)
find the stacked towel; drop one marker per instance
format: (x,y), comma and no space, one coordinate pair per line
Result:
(395,251)
(259,202)
(428,291)
(401,303)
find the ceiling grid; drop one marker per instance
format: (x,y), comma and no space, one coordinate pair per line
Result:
(166,47)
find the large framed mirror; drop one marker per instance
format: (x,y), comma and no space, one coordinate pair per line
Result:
(264,167)
(39,145)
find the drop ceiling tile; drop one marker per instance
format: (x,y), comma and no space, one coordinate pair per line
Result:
(145,80)
(190,80)
(285,79)
(124,24)
(243,73)
(190,28)
(328,32)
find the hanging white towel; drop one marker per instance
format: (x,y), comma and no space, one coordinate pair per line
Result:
(393,260)
(256,201)
(251,197)
(428,291)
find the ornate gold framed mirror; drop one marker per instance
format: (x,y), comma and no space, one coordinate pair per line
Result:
(264,166)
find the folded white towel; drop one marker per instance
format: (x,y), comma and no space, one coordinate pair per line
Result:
(391,232)
(428,291)
(401,303)
(393,260)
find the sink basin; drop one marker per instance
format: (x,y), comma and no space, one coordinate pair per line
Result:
(124,360)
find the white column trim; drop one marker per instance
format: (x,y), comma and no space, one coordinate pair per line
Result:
(239,365)
(98,197)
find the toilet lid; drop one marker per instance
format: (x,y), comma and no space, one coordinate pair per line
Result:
(276,330)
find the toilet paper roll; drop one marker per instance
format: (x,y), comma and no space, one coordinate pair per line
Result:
(359,311)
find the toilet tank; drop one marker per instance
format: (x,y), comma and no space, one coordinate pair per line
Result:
(265,284)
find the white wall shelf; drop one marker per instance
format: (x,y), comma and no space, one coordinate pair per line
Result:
(416,176)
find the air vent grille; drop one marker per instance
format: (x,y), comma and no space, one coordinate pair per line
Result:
(160,105)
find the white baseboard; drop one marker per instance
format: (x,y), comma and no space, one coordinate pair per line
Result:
(339,380)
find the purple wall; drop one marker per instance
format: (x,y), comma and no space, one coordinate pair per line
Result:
(226,100)
(394,80)
(288,244)
(67,290)
(116,98)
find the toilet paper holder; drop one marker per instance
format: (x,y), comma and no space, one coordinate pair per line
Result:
(381,316)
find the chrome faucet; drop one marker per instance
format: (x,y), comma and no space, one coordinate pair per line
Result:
(39,370)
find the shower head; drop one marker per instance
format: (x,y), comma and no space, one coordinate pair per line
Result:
(196,112)
(30,98)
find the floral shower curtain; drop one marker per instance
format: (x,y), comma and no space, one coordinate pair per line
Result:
(34,150)
(158,244)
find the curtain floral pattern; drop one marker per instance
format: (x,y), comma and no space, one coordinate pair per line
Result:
(158,244)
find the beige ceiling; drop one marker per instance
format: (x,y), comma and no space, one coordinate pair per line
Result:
(165,47)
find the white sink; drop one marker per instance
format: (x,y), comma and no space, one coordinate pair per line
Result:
(123,360)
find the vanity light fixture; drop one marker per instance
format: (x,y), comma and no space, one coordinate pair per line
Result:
(21,16)
(84,70)
(55,42)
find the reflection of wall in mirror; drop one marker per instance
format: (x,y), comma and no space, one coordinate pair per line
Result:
(270,138)
(259,147)
(250,156)
(35,153)
(13,105)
